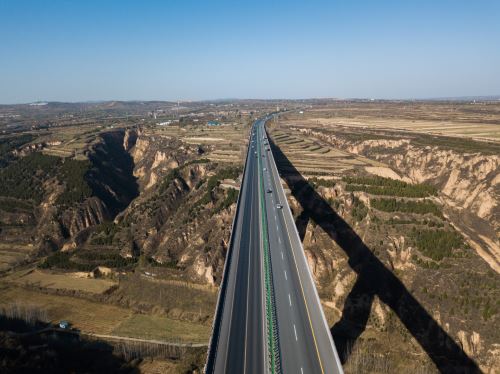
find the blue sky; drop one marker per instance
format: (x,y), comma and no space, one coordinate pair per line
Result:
(192,50)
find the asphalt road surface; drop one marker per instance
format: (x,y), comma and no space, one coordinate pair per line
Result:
(239,343)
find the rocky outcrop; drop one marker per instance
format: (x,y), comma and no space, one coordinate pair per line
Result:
(129,139)
(400,253)
(469,183)
(91,212)
(154,156)
(471,342)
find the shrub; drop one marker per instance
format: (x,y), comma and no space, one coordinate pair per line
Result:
(437,244)
(24,178)
(388,187)
(231,198)
(418,207)
(359,210)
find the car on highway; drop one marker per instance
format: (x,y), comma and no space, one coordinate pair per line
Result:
(265,169)
(269,190)
(279,206)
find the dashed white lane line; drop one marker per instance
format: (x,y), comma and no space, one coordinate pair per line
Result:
(279,239)
(301,371)
(295,331)
(285,275)
(289,300)
(282,255)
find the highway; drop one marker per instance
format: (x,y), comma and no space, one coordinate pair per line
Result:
(268,317)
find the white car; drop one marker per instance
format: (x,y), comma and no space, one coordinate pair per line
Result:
(279,206)
(264,169)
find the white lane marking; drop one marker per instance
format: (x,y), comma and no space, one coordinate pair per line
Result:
(279,239)
(301,371)
(295,331)
(289,300)
(285,275)
(282,255)
(277,229)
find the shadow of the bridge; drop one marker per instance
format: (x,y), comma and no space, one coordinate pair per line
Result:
(373,278)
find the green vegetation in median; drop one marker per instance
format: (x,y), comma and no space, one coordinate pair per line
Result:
(268,283)
(388,187)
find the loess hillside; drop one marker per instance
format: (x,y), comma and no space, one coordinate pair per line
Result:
(401,233)
(116,217)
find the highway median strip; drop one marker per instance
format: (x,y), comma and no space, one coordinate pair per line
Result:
(272,326)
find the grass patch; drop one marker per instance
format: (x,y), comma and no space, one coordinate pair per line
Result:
(14,205)
(85,315)
(66,282)
(163,328)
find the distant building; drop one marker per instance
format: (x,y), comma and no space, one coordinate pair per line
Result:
(168,122)
(213,123)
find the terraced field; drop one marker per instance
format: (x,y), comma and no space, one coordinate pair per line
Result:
(99,318)
(64,281)
(476,120)
(82,314)
(225,143)
(12,254)
(313,158)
